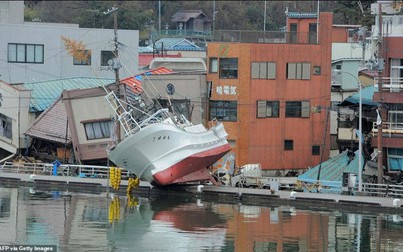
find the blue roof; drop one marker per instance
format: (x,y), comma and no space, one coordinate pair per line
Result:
(367,97)
(45,93)
(171,44)
(332,170)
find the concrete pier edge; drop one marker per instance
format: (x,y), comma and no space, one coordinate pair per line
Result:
(247,196)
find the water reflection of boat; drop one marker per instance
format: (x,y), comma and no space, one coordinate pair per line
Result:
(172,224)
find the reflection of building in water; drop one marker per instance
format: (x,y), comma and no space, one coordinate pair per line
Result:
(290,230)
(80,223)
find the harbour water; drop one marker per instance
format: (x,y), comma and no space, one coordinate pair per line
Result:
(83,221)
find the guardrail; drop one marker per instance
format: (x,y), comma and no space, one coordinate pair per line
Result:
(382,190)
(88,171)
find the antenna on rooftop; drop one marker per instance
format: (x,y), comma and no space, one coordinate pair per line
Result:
(361,8)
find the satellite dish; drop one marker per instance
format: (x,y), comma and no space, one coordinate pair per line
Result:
(170,89)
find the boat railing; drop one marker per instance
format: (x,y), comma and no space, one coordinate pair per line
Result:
(213,122)
(156,117)
(84,171)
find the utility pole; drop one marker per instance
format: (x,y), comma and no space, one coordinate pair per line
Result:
(380,71)
(116,63)
(214,12)
(159,17)
(264,18)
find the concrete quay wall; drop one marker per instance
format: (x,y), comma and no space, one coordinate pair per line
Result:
(225,194)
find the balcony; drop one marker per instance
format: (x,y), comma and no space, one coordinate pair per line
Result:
(389,129)
(390,84)
(392,135)
(392,89)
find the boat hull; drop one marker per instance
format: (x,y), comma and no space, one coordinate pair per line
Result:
(164,154)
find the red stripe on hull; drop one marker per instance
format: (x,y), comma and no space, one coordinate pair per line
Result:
(192,168)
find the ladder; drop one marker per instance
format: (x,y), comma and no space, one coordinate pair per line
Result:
(125,118)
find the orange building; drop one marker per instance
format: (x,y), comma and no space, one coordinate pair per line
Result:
(264,93)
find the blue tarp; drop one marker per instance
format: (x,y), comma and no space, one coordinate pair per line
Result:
(367,97)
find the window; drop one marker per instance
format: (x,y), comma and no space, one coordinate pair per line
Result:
(106,56)
(83,57)
(25,53)
(298,71)
(223,110)
(297,109)
(228,68)
(181,106)
(6,126)
(316,70)
(293,33)
(338,67)
(263,70)
(396,69)
(396,116)
(98,130)
(312,33)
(395,159)
(288,144)
(213,65)
(267,109)
(315,150)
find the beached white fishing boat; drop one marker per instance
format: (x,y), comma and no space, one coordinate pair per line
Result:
(160,146)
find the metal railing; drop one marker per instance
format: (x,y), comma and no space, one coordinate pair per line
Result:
(382,190)
(388,128)
(390,84)
(243,36)
(87,171)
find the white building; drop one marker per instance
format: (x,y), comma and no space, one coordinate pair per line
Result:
(35,51)
(14,117)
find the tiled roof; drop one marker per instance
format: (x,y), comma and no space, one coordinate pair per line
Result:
(44,93)
(185,15)
(51,124)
